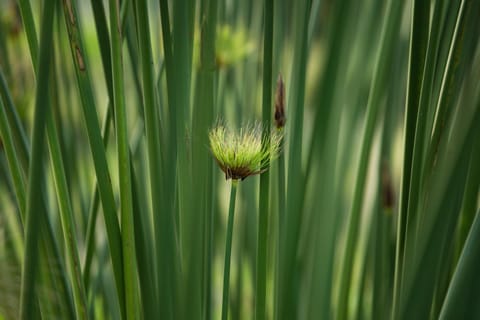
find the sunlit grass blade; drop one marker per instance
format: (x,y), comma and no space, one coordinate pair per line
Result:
(126,204)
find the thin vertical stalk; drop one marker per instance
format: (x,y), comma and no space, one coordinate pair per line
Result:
(93,208)
(280,223)
(415,121)
(150,112)
(199,278)
(126,203)
(97,148)
(36,172)
(67,220)
(287,296)
(228,250)
(263,213)
(165,220)
(12,158)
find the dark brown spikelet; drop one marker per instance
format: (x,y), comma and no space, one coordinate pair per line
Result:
(388,193)
(280,118)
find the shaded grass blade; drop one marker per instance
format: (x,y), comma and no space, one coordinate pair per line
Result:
(264,195)
(36,173)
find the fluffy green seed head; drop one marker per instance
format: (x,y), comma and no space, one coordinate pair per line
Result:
(244,153)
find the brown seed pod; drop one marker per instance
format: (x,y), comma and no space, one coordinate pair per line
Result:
(280,118)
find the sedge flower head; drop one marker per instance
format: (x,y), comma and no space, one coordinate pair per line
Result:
(246,152)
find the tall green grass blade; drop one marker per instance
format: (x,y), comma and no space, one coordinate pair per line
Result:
(151,113)
(18,134)
(29,25)
(96,145)
(264,205)
(94,207)
(165,220)
(126,204)
(182,35)
(104,43)
(414,131)
(13,163)
(27,302)
(439,180)
(144,248)
(390,29)
(200,227)
(228,251)
(68,226)
(287,299)
(49,247)
(460,298)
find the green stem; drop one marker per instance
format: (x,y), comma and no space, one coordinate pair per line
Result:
(126,202)
(261,282)
(67,220)
(89,109)
(36,172)
(280,224)
(390,28)
(93,208)
(228,250)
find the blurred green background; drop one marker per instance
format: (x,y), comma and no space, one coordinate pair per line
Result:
(112,206)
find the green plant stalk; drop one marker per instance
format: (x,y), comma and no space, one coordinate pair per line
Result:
(460,291)
(326,95)
(93,208)
(97,148)
(65,207)
(450,82)
(17,133)
(49,247)
(390,28)
(287,297)
(416,242)
(182,34)
(280,224)
(228,250)
(204,104)
(104,43)
(11,154)
(151,114)
(36,172)
(29,25)
(67,220)
(165,220)
(144,249)
(415,130)
(469,205)
(263,212)
(445,176)
(126,202)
